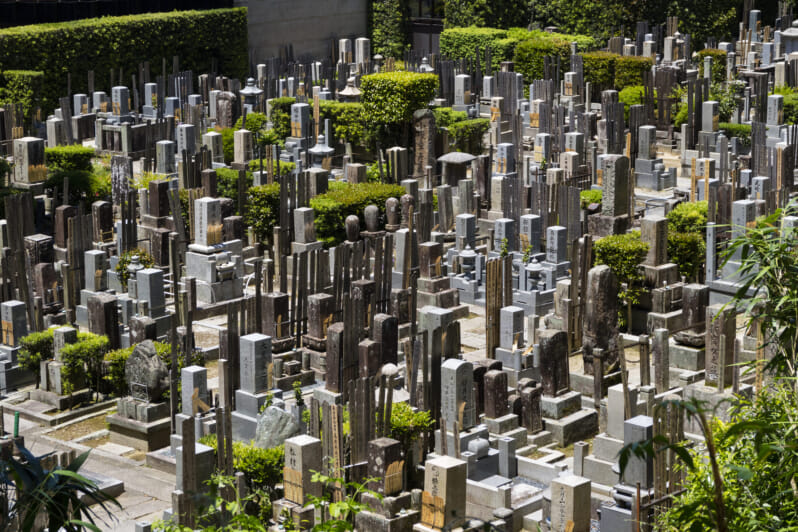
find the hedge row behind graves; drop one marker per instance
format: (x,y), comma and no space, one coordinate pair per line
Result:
(114,43)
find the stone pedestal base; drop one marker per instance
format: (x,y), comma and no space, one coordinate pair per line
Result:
(139,435)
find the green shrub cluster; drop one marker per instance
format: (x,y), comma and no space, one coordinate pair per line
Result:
(741,131)
(114,43)
(462,42)
(629,70)
(344,199)
(623,254)
(718,64)
(687,251)
(530,54)
(346,119)
(389,100)
(491,13)
(467,135)
(790,104)
(23,87)
(633,95)
(389,27)
(145,259)
(446,116)
(114,362)
(36,348)
(227,183)
(688,217)
(687,224)
(588,197)
(83,362)
(263,210)
(537,44)
(75,163)
(262,136)
(68,158)
(599,70)
(263,467)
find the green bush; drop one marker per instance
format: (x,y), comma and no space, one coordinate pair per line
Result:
(281,116)
(529,54)
(346,121)
(114,362)
(36,348)
(457,43)
(623,254)
(262,467)
(389,27)
(466,136)
(491,13)
(446,116)
(83,362)
(284,167)
(599,70)
(718,64)
(584,43)
(629,70)
(408,425)
(687,251)
(389,100)
(741,131)
(262,135)
(22,87)
(228,143)
(790,103)
(344,199)
(94,185)
(145,259)
(633,95)
(688,218)
(263,210)
(227,183)
(114,43)
(587,197)
(68,158)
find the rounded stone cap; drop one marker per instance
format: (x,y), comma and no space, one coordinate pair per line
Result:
(352,224)
(372,215)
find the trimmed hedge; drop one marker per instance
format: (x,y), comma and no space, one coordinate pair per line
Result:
(492,13)
(689,217)
(599,69)
(389,25)
(69,158)
(629,70)
(263,210)
(346,119)
(343,199)
(467,135)
(22,87)
(718,64)
(103,44)
(389,100)
(742,131)
(688,251)
(392,97)
(457,43)
(446,116)
(529,56)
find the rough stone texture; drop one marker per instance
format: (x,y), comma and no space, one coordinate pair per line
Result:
(600,325)
(553,361)
(274,427)
(695,298)
(144,366)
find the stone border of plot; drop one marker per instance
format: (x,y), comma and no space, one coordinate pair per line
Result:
(58,419)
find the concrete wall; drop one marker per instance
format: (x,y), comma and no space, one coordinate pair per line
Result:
(309,25)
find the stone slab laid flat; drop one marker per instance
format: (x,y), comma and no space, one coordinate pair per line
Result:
(115,448)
